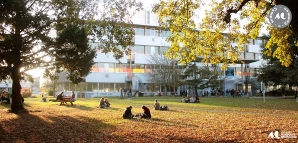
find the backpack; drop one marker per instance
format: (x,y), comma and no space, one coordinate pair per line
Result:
(164,107)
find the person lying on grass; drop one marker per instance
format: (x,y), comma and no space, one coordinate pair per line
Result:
(127,113)
(102,103)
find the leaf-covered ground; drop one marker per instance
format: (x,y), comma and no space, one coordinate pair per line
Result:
(215,119)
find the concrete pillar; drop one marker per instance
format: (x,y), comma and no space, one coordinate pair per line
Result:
(242,76)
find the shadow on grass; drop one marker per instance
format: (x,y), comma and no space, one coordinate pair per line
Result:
(28,127)
(5,105)
(111,108)
(78,106)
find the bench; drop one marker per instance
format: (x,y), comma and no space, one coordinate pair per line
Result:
(65,100)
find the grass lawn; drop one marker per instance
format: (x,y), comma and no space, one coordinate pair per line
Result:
(215,119)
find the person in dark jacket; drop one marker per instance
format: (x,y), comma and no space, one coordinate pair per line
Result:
(146,113)
(127,113)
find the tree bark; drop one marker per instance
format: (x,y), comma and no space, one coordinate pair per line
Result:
(16,91)
(16,104)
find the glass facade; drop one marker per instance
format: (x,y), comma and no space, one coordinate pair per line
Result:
(109,68)
(150,32)
(165,33)
(139,31)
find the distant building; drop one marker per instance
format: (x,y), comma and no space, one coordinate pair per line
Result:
(108,75)
(7,85)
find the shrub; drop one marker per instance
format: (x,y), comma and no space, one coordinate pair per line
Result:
(26,92)
(34,96)
(50,92)
(9,94)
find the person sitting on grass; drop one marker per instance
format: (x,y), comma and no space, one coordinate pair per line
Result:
(146,113)
(73,96)
(3,97)
(197,99)
(59,96)
(156,105)
(188,99)
(107,102)
(191,100)
(127,113)
(102,103)
(183,100)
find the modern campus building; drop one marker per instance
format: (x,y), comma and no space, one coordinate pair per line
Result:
(108,75)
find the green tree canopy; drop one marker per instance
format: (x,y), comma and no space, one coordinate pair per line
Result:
(27,24)
(274,72)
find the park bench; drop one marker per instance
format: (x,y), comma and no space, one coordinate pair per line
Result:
(65,100)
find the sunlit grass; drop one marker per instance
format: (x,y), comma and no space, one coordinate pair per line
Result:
(215,119)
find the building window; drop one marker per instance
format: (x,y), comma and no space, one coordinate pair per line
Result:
(94,68)
(100,89)
(148,50)
(72,87)
(142,68)
(137,50)
(157,32)
(101,67)
(156,50)
(251,41)
(133,68)
(122,67)
(148,17)
(90,86)
(111,87)
(139,31)
(106,87)
(148,68)
(117,68)
(258,42)
(150,32)
(84,86)
(111,68)
(163,50)
(165,33)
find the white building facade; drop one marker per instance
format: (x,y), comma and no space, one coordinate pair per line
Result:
(108,75)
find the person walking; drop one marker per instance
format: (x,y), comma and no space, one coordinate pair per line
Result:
(121,93)
(125,91)
(283,92)
(129,92)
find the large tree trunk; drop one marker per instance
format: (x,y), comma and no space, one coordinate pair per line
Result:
(16,90)
(16,76)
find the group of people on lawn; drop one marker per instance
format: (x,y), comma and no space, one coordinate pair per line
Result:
(4,97)
(127,114)
(60,96)
(190,99)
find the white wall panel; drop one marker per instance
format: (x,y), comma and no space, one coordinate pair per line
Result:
(151,40)
(108,58)
(101,77)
